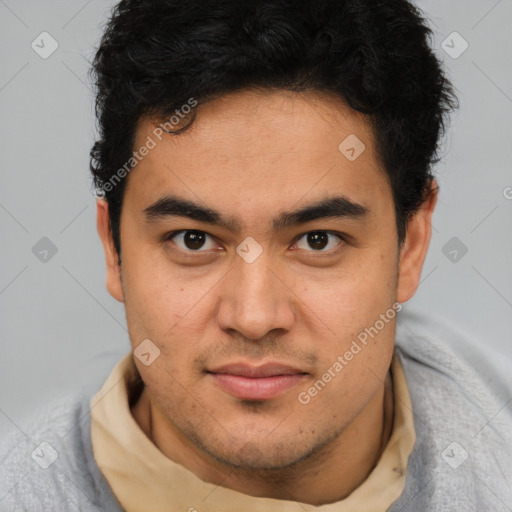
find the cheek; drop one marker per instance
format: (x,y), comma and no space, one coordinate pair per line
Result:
(165,383)
(363,287)
(168,308)
(349,304)
(157,296)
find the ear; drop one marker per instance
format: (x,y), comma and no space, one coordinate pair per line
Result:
(414,248)
(114,285)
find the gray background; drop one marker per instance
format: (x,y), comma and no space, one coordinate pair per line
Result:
(60,329)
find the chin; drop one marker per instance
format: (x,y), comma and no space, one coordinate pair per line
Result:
(261,454)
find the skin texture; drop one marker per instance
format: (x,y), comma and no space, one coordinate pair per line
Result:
(252,155)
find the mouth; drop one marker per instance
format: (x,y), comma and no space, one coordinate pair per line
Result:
(263,382)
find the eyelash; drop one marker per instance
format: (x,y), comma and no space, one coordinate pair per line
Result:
(169,236)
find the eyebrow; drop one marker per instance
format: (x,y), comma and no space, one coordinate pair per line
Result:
(330,208)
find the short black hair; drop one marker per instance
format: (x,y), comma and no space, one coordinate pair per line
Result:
(374,55)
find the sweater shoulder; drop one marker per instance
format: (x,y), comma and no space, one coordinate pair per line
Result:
(432,350)
(461,396)
(48,463)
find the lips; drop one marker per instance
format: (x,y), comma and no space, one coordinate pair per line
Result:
(263,382)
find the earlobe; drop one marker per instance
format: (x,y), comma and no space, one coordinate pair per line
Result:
(415,247)
(114,285)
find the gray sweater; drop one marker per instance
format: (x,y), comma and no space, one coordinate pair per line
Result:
(461,394)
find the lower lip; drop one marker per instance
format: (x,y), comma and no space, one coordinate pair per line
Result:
(256,388)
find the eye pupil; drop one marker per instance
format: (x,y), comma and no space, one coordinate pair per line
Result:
(194,239)
(318,239)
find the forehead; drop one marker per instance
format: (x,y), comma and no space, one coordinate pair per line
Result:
(254,151)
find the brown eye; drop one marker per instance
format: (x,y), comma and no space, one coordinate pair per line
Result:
(192,241)
(318,241)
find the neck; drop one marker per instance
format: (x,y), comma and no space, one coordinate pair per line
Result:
(328,475)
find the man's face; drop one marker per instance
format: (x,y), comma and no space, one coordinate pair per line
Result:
(243,335)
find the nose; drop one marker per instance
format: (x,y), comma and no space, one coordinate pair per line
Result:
(255,300)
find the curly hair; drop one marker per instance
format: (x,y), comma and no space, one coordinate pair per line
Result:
(374,55)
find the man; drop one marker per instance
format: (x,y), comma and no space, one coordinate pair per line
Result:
(265,193)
